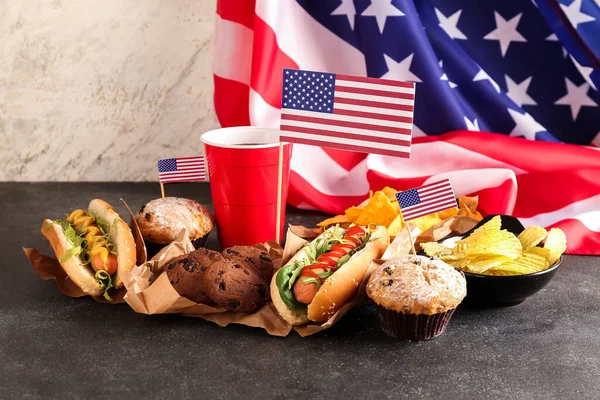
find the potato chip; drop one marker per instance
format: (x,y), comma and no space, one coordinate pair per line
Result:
(532,236)
(460,264)
(540,251)
(338,219)
(481,263)
(378,211)
(452,257)
(501,272)
(493,224)
(459,248)
(396,226)
(532,260)
(501,243)
(435,249)
(510,268)
(528,263)
(492,251)
(556,243)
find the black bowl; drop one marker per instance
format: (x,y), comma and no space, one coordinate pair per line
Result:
(505,291)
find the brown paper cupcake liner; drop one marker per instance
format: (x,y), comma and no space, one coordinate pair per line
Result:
(413,326)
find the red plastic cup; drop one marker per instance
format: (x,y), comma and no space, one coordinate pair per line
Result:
(243,166)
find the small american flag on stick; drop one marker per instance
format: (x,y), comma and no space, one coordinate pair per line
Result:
(183,169)
(346,112)
(427,199)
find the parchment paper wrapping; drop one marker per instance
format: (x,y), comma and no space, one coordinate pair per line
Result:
(150,292)
(49,268)
(400,245)
(456,225)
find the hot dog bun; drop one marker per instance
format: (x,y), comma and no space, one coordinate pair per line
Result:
(339,288)
(342,285)
(291,316)
(120,236)
(80,274)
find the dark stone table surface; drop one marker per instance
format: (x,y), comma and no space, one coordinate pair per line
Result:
(53,346)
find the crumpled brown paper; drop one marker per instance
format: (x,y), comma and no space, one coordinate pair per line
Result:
(400,246)
(150,292)
(456,225)
(49,268)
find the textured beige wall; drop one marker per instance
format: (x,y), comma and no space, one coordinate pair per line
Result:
(99,90)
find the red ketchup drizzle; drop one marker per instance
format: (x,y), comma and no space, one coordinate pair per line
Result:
(329,260)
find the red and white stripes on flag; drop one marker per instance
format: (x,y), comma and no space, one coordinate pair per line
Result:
(257,39)
(365,115)
(427,199)
(184,169)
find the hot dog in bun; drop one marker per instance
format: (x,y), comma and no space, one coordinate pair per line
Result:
(93,246)
(325,274)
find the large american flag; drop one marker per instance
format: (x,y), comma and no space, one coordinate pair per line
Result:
(520,69)
(427,199)
(182,169)
(347,112)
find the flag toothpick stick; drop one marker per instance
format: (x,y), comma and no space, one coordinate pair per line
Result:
(412,242)
(425,200)
(162,191)
(279,179)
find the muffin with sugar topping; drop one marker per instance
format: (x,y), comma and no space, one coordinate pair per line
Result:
(161,220)
(416,296)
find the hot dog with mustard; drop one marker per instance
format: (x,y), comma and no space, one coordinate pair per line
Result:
(93,247)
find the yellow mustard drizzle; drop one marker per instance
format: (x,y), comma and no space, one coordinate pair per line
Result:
(95,240)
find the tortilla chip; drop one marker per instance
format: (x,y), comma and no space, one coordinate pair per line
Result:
(468,207)
(353,213)
(448,213)
(426,221)
(338,219)
(378,211)
(396,226)
(390,193)
(396,207)
(469,202)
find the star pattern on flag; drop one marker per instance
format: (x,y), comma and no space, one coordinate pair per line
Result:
(381,10)
(310,91)
(347,9)
(444,77)
(518,92)
(506,32)
(576,97)
(449,24)
(586,72)
(400,70)
(482,76)
(502,54)
(472,126)
(417,132)
(553,38)
(408,198)
(526,126)
(167,164)
(575,15)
